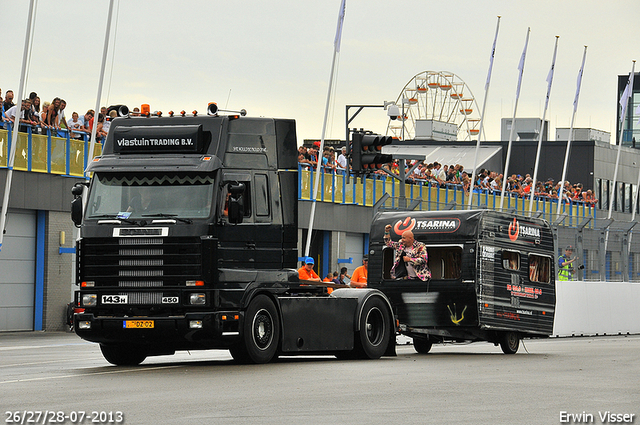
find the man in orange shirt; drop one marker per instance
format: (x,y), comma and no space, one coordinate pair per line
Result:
(306,272)
(359,277)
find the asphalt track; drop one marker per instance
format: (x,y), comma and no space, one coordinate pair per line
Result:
(545,383)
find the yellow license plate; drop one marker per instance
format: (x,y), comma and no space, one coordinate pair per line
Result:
(137,324)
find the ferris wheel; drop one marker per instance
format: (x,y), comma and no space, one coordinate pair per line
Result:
(439,96)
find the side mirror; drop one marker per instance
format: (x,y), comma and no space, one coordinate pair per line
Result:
(77,189)
(76,211)
(236,202)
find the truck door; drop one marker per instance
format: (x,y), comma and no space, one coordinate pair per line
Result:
(269,232)
(236,240)
(253,241)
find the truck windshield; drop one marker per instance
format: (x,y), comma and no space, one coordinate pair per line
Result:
(183,195)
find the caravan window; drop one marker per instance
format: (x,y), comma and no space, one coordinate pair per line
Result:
(539,268)
(445,262)
(511,260)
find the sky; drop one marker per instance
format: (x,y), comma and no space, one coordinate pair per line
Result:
(274,58)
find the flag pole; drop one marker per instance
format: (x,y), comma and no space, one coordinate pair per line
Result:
(544,115)
(635,198)
(94,128)
(336,50)
(513,121)
(624,99)
(484,107)
(16,125)
(573,116)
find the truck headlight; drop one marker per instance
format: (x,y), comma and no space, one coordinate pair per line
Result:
(197,299)
(89,300)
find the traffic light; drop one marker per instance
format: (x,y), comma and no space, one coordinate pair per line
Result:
(366,151)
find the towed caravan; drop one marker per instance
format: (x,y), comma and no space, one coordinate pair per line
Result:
(493,277)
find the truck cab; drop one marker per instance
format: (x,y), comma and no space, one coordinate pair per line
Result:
(188,240)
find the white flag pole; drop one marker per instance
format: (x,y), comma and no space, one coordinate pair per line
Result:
(336,49)
(513,121)
(573,116)
(635,195)
(624,99)
(544,115)
(16,125)
(100,81)
(484,107)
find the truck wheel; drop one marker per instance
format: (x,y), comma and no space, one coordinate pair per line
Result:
(375,328)
(121,355)
(239,353)
(261,332)
(422,345)
(510,342)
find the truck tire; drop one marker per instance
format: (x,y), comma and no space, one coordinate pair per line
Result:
(422,345)
(510,342)
(375,329)
(122,355)
(260,333)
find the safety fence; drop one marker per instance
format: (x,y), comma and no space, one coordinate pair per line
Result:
(47,152)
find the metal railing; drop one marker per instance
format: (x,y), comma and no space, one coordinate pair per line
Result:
(427,196)
(47,152)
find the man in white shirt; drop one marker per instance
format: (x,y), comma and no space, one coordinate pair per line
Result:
(342,159)
(25,118)
(75,124)
(441,175)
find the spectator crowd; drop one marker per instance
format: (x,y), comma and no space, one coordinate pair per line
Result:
(49,117)
(452,176)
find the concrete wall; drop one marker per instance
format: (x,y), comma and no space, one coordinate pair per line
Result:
(39,191)
(596,308)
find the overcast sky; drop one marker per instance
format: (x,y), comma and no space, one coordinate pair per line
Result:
(273,58)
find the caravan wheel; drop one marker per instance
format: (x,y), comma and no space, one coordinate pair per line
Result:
(510,342)
(422,345)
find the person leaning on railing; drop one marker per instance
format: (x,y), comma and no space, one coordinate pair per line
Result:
(25,119)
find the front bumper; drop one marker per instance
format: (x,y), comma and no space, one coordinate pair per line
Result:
(213,330)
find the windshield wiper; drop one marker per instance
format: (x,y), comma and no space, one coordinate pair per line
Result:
(174,216)
(114,216)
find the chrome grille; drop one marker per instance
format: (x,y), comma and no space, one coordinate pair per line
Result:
(139,283)
(140,241)
(140,273)
(141,262)
(140,251)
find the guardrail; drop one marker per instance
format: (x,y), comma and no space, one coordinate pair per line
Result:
(368,190)
(47,153)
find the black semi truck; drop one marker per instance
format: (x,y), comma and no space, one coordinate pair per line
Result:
(188,240)
(492,277)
